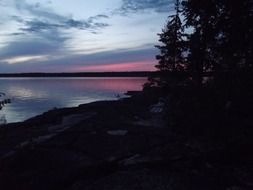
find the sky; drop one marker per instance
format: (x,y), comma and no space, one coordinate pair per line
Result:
(80,35)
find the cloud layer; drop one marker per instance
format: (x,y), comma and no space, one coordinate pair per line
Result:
(130,6)
(53,36)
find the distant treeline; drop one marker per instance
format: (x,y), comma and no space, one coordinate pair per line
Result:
(85,74)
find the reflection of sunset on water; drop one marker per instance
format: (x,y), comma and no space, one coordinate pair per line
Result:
(33,96)
(110,84)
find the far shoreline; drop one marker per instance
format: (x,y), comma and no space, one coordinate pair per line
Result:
(82,74)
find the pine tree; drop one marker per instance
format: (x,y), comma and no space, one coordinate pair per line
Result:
(221,38)
(170,57)
(201,17)
(236,25)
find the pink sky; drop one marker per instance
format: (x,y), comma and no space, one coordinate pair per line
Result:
(128,66)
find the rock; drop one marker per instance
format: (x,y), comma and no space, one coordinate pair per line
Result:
(157,108)
(130,161)
(111,159)
(234,188)
(117,132)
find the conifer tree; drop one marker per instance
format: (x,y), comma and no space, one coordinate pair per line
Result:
(170,57)
(201,17)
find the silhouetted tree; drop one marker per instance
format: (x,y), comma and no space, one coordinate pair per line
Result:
(171,51)
(236,27)
(221,37)
(201,18)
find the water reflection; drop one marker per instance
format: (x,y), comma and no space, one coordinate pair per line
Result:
(33,96)
(25,93)
(3,120)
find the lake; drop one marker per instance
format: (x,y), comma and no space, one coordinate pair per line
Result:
(33,96)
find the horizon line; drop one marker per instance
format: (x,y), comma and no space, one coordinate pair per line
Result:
(82,74)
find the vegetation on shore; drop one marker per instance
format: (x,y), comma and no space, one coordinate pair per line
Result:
(206,67)
(3,100)
(201,138)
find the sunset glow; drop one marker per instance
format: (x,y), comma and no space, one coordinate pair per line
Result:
(132,66)
(98,35)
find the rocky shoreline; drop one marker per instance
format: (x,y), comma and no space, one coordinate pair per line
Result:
(110,145)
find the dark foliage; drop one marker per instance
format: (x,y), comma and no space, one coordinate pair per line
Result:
(207,38)
(206,68)
(171,58)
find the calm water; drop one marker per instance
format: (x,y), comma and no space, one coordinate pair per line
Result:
(33,96)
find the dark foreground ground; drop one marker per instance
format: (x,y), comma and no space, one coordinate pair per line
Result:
(116,145)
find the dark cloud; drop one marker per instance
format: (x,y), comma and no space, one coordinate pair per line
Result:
(48,20)
(71,23)
(106,57)
(16,18)
(142,5)
(45,32)
(100,16)
(37,11)
(37,5)
(16,34)
(71,62)
(61,58)
(39,26)
(85,25)
(30,47)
